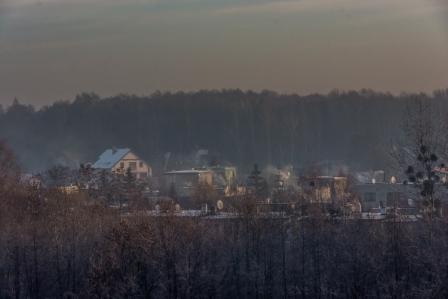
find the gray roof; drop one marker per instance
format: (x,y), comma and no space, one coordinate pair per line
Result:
(110,157)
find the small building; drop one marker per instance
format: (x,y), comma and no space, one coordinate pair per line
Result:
(324,189)
(185,181)
(224,179)
(119,160)
(385,196)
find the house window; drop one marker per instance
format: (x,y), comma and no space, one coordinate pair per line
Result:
(140,164)
(133,165)
(122,165)
(370,197)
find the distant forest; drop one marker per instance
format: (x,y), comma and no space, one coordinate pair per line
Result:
(355,128)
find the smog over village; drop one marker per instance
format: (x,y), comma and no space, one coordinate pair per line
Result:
(223,149)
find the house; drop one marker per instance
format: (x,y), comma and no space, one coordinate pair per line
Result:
(324,189)
(119,160)
(386,196)
(185,181)
(224,179)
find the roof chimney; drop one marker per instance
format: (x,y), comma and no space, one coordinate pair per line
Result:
(114,150)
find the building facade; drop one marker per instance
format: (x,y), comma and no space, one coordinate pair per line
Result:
(374,196)
(184,182)
(118,161)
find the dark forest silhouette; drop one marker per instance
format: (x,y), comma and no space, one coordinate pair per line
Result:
(354,128)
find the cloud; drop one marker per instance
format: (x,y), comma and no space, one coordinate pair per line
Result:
(134,2)
(408,8)
(364,8)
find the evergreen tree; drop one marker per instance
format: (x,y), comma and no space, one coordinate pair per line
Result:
(257,184)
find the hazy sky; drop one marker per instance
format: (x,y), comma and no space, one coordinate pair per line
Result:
(54,49)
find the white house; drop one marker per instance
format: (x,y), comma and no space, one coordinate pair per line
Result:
(118,160)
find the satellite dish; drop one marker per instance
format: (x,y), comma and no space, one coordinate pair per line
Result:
(220,205)
(393,180)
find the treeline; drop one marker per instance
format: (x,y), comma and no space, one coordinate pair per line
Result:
(354,128)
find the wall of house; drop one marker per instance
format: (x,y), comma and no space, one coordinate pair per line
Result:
(138,167)
(373,196)
(206,178)
(184,183)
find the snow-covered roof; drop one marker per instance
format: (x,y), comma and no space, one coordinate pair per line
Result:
(110,157)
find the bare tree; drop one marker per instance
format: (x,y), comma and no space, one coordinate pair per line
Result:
(9,170)
(423,153)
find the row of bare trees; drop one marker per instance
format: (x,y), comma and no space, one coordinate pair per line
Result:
(55,246)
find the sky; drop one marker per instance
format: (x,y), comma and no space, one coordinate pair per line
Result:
(51,50)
